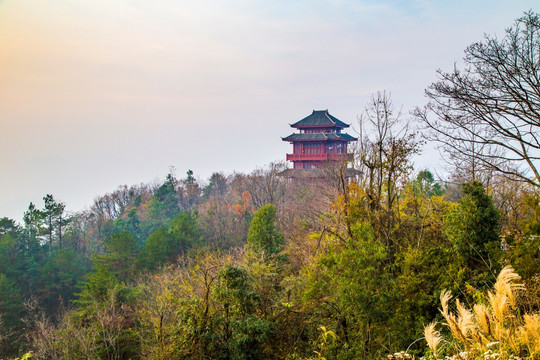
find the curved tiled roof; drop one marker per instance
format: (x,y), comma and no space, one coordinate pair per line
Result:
(319,118)
(319,137)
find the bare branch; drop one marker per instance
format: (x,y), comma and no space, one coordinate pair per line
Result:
(489,111)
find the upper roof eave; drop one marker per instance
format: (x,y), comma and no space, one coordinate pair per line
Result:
(319,118)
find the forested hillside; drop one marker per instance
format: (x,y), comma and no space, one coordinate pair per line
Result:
(348,264)
(255,266)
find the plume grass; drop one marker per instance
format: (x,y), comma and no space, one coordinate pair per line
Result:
(494,326)
(433,337)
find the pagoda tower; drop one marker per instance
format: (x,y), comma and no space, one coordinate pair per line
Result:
(319,141)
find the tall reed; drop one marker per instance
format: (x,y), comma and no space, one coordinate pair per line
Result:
(495,329)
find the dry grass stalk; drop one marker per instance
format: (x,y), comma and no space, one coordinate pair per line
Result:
(502,302)
(507,285)
(503,299)
(494,323)
(459,325)
(529,333)
(464,320)
(433,337)
(483,319)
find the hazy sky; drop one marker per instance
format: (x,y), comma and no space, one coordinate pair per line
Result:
(95,94)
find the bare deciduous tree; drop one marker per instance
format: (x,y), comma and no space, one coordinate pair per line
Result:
(265,186)
(383,160)
(488,113)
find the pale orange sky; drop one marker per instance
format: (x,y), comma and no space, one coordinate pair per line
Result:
(95,94)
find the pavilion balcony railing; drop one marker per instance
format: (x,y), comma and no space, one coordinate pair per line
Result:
(318,157)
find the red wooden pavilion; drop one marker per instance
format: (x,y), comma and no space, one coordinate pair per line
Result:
(319,141)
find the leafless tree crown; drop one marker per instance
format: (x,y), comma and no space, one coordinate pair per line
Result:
(487,114)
